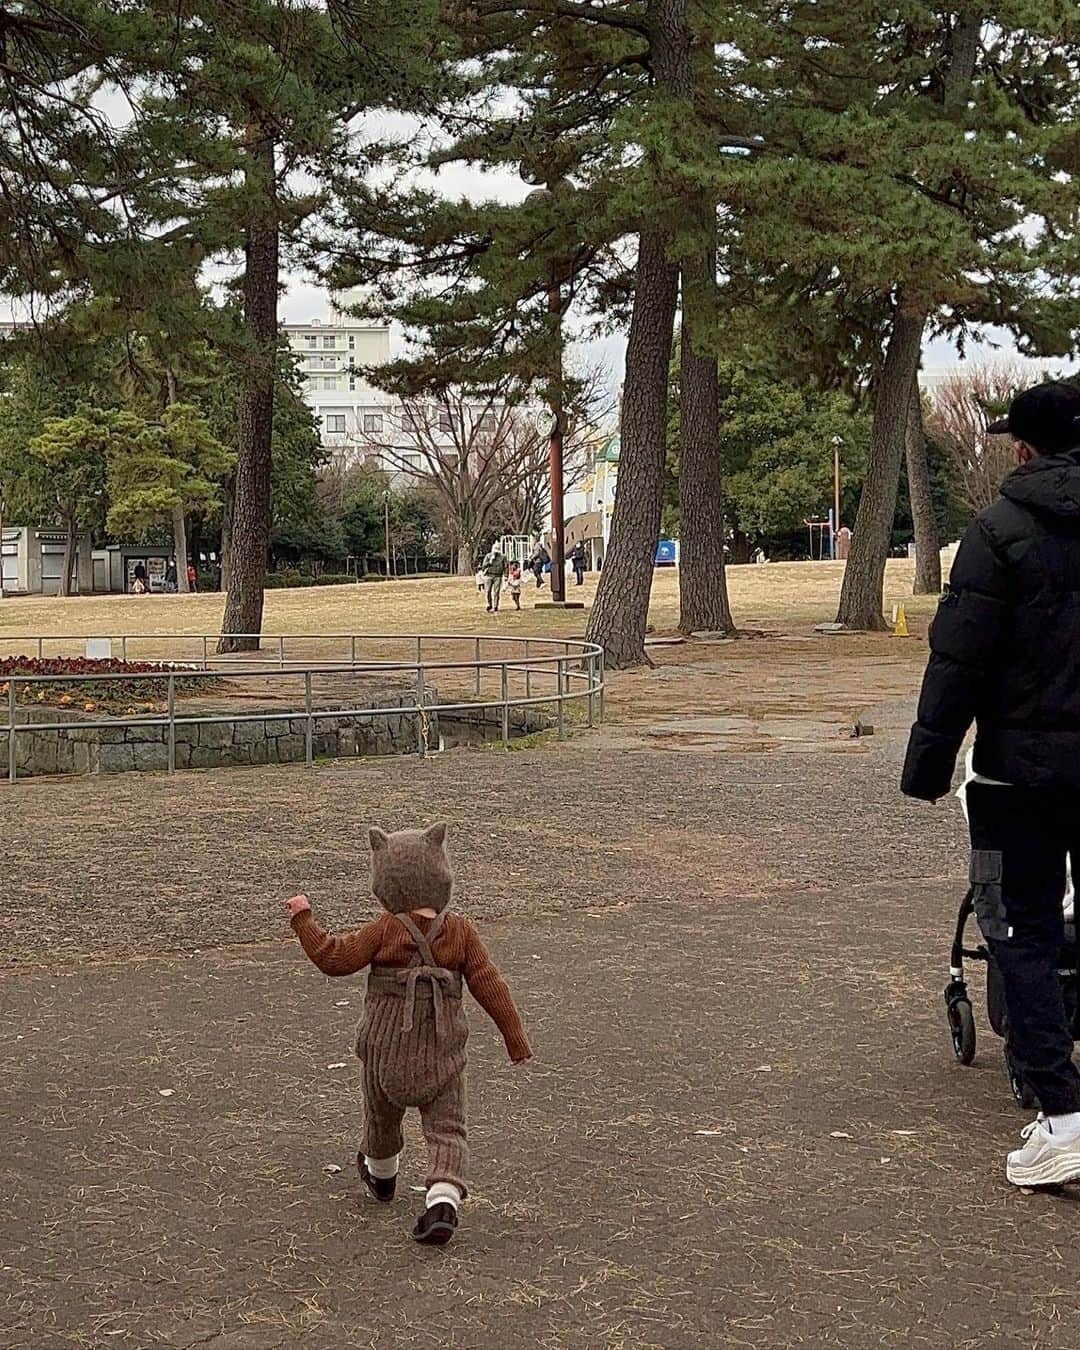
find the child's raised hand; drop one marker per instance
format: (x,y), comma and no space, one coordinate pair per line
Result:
(297,905)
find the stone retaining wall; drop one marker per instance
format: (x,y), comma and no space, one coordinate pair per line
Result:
(270,739)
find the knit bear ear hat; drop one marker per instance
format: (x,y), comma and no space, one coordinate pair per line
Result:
(411,869)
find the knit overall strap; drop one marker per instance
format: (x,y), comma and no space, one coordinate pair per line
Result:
(423,966)
(423,954)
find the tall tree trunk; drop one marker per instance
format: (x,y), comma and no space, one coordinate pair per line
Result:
(250,534)
(620,613)
(703,594)
(179,534)
(195,541)
(69,559)
(84,563)
(927,542)
(861,597)
(226,532)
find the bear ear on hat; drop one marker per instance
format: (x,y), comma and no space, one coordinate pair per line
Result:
(377,838)
(436,834)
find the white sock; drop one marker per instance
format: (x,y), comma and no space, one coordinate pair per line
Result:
(382,1169)
(1065,1128)
(443,1193)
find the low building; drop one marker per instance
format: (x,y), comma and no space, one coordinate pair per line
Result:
(33,563)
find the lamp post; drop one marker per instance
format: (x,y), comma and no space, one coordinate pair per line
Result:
(386,528)
(837,442)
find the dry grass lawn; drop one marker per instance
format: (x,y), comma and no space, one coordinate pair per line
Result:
(786,596)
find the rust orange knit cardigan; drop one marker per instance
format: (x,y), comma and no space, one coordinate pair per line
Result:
(385,942)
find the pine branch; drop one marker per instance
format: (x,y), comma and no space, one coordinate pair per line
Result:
(570,9)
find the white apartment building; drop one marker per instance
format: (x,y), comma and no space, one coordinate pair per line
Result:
(354,418)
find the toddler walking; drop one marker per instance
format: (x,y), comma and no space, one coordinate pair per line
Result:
(411,1040)
(515,584)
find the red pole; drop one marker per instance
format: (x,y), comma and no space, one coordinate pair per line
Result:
(555,447)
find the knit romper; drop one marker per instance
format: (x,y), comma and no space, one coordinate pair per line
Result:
(411,1041)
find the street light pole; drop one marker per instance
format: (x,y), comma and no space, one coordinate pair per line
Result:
(837,442)
(386,529)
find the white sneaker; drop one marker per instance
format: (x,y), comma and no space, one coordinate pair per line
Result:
(1043,1161)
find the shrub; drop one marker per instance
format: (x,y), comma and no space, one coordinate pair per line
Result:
(284,580)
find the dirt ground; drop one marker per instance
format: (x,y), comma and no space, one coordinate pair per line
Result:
(728,936)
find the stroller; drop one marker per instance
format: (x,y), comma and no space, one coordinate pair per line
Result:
(958,1004)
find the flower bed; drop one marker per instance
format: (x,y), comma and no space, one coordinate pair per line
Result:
(116,695)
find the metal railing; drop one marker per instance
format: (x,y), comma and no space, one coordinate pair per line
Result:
(527,673)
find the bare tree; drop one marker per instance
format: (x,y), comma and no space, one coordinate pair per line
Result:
(524,510)
(483,459)
(957,421)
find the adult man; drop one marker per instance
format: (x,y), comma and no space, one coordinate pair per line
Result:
(494,571)
(1005,653)
(538,560)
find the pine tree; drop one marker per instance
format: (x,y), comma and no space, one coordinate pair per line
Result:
(73,453)
(613,110)
(897,159)
(162,471)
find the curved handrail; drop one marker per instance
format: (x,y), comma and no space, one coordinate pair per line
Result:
(577,668)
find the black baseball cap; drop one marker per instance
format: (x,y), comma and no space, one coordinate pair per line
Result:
(1046,417)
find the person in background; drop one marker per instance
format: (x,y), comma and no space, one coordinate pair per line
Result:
(140,585)
(515,583)
(537,562)
(170,576)
(1005,654)
(577,562)
(494,571)
(192,577)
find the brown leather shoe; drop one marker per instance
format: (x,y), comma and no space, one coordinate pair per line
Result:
(436,1226)
(382,1188)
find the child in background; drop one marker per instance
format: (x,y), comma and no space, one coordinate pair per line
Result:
(411,1041)
(515,583)
(481,580)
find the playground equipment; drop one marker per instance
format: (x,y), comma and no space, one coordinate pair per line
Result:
(820,539)
(516,548)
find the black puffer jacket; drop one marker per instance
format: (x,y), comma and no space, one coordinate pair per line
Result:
(1005,645)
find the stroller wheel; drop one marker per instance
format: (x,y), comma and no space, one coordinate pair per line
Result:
(961,1029)
(1020,1090)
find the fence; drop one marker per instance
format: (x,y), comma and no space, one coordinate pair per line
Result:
(524,673)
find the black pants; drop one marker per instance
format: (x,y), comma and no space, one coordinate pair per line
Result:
(1020,840)
(579,572)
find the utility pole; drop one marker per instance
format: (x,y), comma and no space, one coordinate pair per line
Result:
(556,402)
(555,449)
